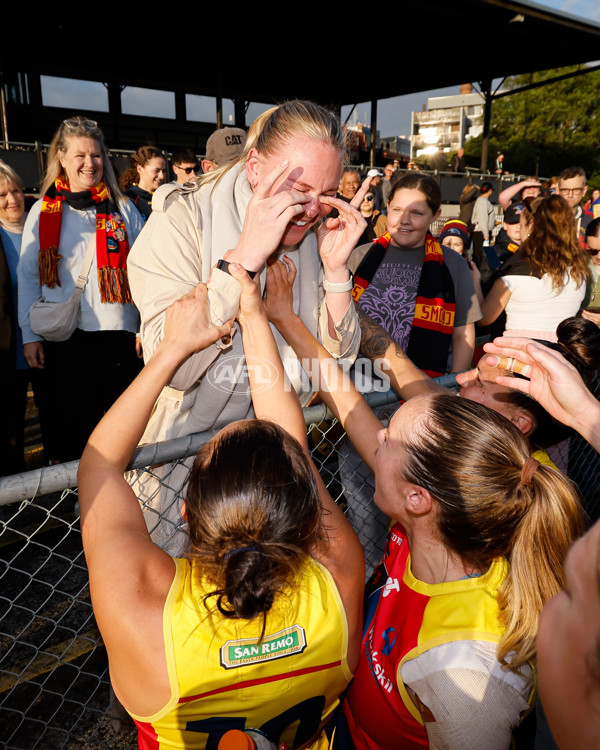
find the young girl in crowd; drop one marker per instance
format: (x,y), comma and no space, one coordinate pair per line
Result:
(406,280)
(259,626)
(455,235)
(476,546)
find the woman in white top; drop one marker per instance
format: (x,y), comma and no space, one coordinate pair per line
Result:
(544,282)
(81,204)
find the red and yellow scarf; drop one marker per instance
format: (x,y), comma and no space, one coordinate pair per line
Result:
(435,306)
(112,246)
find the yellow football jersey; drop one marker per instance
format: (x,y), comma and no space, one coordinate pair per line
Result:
(224,676)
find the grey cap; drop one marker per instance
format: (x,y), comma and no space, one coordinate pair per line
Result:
(225,145)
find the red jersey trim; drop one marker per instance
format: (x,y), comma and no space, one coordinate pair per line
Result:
(264,681)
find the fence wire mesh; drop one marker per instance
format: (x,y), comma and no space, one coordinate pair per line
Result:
(54,682)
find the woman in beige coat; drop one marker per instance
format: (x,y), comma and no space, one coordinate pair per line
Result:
(273,201)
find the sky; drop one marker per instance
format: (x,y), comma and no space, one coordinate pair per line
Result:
(393,114)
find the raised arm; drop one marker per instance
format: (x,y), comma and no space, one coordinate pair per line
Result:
(405,377)
(335,386)
(506,196)
(337,239)
(463,347)
(274,398)
(129,575)
(272,394)
(108,506)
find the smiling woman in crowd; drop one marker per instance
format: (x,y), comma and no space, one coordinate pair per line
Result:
(82,208)
(146,172)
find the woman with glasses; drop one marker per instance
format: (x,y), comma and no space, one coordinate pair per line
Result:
(82,209)
(376,221)
(544,282)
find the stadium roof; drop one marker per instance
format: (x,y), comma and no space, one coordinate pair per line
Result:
(339,53)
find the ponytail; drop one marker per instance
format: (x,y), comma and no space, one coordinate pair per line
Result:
(494,500)
(553,518)
(252,576)
(254,514)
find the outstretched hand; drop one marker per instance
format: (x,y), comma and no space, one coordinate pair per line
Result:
(552,381)
(188,327)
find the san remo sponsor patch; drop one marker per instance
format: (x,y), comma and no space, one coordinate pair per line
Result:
(250,651)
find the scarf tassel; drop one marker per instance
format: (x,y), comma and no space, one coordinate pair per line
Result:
(114,285)
(48,267)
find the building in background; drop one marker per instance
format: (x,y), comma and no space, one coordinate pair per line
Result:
(386,149)
(396,147)
(447,122)
(358,141)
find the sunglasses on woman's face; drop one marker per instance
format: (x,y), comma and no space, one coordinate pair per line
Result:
(593,252)
(369,198)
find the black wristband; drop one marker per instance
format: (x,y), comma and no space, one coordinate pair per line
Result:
(223,265)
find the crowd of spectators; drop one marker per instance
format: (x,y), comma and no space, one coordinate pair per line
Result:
(268,250)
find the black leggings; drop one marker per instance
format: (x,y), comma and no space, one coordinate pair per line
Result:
(86,374)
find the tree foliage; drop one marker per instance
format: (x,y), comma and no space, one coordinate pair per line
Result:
(545,129)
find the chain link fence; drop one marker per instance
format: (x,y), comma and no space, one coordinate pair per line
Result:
(54,681)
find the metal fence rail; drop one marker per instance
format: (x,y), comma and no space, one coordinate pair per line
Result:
(54,684)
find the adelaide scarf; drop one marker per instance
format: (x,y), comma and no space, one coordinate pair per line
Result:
(112,246)
(435,306)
